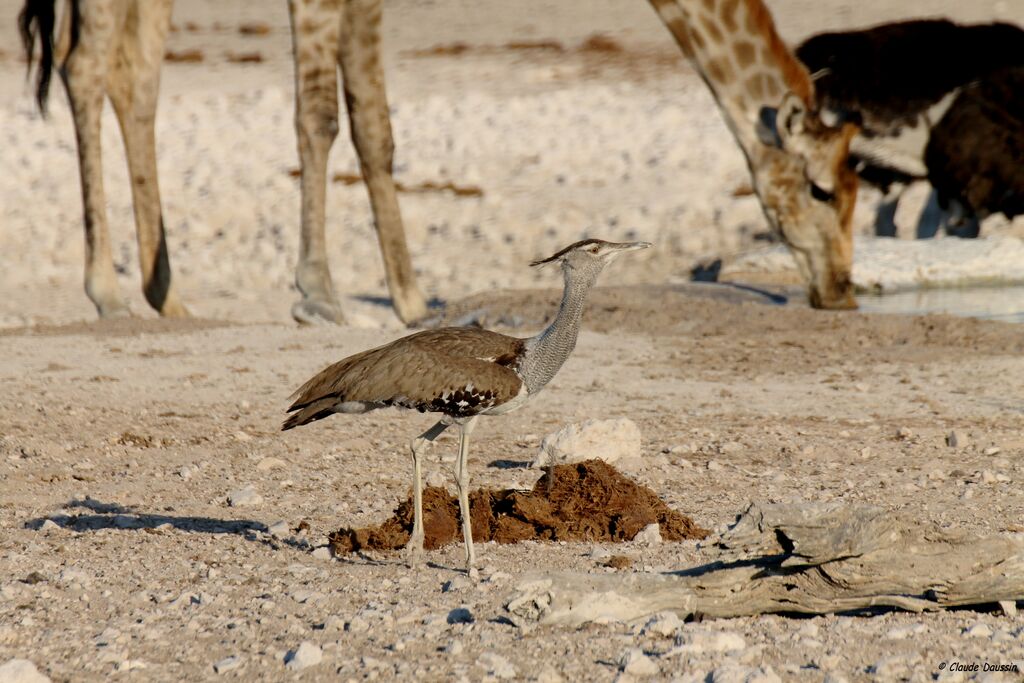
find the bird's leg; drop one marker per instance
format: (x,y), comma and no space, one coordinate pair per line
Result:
(418,446)
(462,481)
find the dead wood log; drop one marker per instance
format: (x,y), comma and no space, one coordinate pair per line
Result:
(808,559)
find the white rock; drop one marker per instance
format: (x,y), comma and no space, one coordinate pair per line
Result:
(496,665)
(549,675)
(270,464)
(244,497)
(608,440)
(455,648)
(737,673)
(456,583)
(701,642)
(1009,607)
(663,624)
(334,623)
(357,624)
(21,671)
(635,663)
(322,553)
(956,439)
(979,630)
(306,655)
(49,525)
(649,535)
(279,529)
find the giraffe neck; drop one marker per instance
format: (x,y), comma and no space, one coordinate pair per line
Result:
(735,48)
(547,352)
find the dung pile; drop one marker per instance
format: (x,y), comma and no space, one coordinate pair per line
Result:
(586,501)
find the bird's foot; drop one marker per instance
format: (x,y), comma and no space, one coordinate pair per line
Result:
(414,551)
(473,573)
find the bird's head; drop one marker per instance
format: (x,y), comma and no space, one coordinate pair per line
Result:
(590,254)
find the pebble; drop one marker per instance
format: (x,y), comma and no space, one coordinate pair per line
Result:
(993,450)
(21,671)
(702,642)
(888,668)
(460,615)
(715,466)
(737,673)
(454,648)
(279,529)
(306,655)
(496,665)
(270,464)
(635,663)
(456,583)
(832,677)
(649,535)
(334,623)
(49,525)
(956,439)
(357,625)
(663,624)
(244,497)
(549,675)
(1009,607)
(979,630)
(322,553)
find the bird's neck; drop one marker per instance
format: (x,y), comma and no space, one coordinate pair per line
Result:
(548,351)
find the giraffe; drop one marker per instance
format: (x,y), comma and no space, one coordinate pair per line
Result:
(114,48)
(798,165)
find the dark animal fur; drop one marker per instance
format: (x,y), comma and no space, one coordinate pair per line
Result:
(36,22)
(887,76)
(892,73)
(975,154)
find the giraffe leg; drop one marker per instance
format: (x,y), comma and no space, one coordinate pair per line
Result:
(363,80)
(419,446)
(315,26)
(84,74)
(133,85)
(463,484)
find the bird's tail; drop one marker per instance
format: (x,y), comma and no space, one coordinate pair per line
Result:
(317,410)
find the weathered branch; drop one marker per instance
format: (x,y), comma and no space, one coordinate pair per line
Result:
(812,559)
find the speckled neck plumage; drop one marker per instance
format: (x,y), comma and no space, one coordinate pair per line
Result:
(547,352)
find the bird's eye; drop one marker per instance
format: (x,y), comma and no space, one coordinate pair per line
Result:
(593,249)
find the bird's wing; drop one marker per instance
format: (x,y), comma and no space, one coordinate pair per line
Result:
(443,371)
(467,342)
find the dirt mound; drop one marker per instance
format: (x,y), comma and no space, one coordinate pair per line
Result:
(587,501)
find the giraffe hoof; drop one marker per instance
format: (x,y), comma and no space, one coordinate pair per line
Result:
(318,312)
(175,310)
(112,310)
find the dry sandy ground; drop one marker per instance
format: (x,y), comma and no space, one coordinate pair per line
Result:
(129,436)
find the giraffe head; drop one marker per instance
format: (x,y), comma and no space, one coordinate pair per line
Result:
(800,173)
(809,193)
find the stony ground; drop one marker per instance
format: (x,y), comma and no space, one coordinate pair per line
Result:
(123,442)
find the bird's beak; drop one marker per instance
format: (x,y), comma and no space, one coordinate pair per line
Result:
(623,247)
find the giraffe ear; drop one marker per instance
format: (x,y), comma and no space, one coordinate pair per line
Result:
(791,117)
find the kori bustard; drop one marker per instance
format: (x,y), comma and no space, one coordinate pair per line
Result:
(459,372)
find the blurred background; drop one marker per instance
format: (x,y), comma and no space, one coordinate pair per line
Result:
(519,127)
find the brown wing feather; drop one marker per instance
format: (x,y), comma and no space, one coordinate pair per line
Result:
(458,371)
